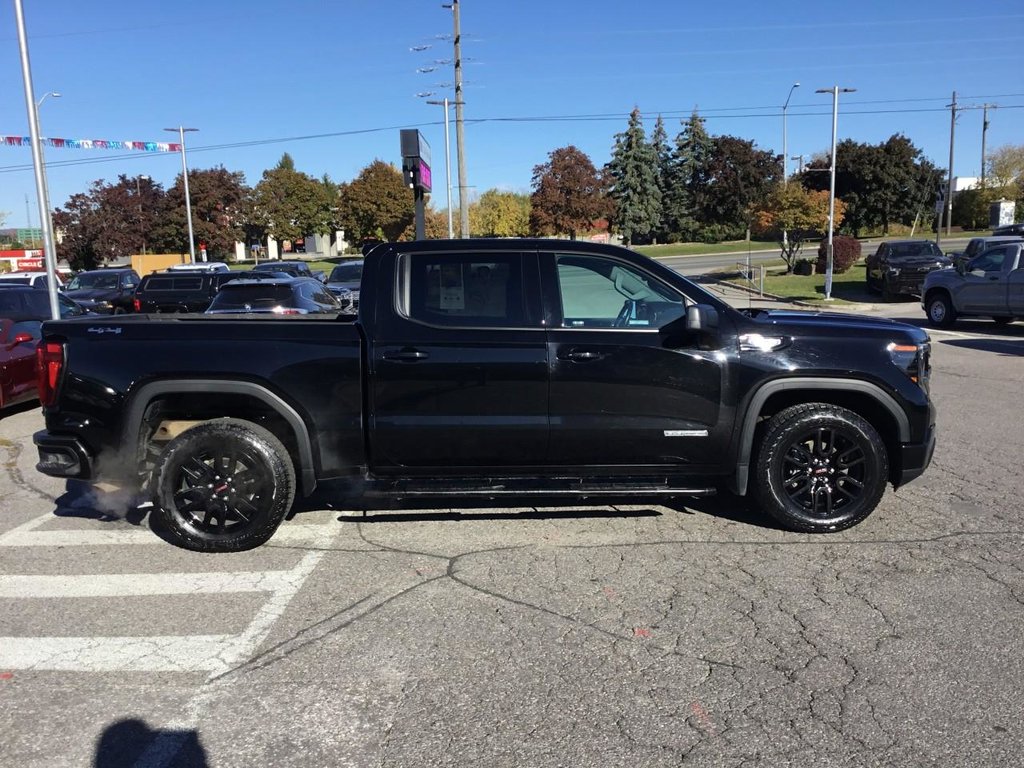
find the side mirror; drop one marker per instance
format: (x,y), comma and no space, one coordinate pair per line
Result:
(701,318)
(961,266)
(21,338)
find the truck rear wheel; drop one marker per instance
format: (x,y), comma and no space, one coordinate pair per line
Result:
(820,468)
(223,486)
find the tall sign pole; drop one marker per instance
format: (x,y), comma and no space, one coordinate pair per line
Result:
(49,247)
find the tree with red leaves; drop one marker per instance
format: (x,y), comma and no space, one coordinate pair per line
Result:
(568,194)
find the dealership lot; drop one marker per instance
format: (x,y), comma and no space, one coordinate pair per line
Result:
(573,636)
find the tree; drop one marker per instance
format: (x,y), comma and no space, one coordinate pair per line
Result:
(663,161)
(568,194)
(500,214)
(798,212)
(688,180)
(880,184)
(739,177)
(1005,165)
(218,212)
(109,221)
(632,175)
(290,205)
(377,204)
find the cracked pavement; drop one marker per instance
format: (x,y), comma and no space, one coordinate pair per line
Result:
(579,636)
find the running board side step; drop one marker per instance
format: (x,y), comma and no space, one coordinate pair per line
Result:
(512,487)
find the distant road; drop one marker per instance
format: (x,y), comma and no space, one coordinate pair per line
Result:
(701,264)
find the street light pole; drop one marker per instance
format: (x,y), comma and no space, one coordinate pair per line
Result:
(42,159)
(785,151)
(835,91)
(138,196)
(49,252)
(447,164)
(181,131)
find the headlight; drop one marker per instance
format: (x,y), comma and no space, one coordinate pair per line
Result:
(914,360)
(895,271)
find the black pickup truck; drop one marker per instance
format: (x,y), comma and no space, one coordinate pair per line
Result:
(509,371)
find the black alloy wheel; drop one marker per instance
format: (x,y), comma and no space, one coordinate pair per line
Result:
(820,468)
(223,486)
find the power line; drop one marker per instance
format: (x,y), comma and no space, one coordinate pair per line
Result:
(716,114)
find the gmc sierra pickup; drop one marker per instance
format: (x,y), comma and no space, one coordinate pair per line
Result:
(516,371)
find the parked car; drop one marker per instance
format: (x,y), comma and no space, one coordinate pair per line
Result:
(277,296)
(293,268)
(33,279)
(21,302)
(989,285)
(550,370)
(899,267)
(18,368)
(108,291)
(200,266)
(179,291)
(1009,229)
(979,244)
(347,277)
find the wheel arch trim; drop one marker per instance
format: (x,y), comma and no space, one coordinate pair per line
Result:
(765,391)
(146,393)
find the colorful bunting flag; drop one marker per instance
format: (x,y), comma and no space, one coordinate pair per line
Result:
(138,146)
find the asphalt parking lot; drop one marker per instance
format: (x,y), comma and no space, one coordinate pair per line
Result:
(586,636)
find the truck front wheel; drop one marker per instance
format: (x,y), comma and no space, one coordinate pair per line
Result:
(223,486)
(940,310)
(820,468)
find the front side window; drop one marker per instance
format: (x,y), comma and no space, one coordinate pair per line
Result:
(598,292)
(990,261)
(465,289)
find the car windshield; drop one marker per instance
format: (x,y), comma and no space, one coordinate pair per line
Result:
(20,280)
(258,296)
(347,273)
(902,250)
(92,280)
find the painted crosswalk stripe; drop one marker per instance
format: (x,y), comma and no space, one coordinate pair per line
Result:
(170,653)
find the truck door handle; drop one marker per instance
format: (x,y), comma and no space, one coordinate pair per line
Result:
(406,355)
(581,356)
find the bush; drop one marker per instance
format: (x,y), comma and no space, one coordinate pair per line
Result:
(845,253)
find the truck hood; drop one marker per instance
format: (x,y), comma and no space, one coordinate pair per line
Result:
(839,323)
(92,294)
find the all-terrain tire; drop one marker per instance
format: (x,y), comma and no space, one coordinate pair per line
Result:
(820,468)
(223,486)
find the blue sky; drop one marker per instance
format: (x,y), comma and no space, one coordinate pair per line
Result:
(539,75)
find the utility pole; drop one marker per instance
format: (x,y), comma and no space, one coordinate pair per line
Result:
(949,181)
(835,91)
(460,146)
(984,130)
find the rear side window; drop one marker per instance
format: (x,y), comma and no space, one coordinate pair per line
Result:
(172,283)
(465,289)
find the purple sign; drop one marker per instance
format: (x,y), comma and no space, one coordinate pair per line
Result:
(424,176)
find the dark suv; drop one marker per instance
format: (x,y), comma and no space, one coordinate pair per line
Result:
(171,292)
(109,291)
(900,266)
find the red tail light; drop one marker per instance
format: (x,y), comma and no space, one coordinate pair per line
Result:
(50,361)
(137,304)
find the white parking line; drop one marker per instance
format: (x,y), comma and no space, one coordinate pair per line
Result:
(32,537)
(157,653)
(142,584)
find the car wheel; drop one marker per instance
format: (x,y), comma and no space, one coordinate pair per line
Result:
(1003,319)
(940,310)
(820,468)
(223,486)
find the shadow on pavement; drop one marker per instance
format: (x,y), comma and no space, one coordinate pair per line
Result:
(125,742)
(1005,347)
(85,500)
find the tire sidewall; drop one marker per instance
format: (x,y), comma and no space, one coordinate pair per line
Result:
(940,300)
(258,443)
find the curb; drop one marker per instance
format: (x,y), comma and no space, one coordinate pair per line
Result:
(853,306)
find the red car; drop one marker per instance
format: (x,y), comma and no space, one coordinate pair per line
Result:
(18,360)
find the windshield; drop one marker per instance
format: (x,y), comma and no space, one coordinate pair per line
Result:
(92,280)
(347,273)
(901,250)
(260,296)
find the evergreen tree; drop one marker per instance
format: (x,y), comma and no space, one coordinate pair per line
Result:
(633,175)
(689,179)
(663,158)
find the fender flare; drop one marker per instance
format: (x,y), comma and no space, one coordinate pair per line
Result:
(144,395)
(761,395)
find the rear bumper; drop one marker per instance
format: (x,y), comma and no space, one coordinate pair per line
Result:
(915,458)
(62,456)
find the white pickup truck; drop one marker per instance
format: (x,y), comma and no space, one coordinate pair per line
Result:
(989,285)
